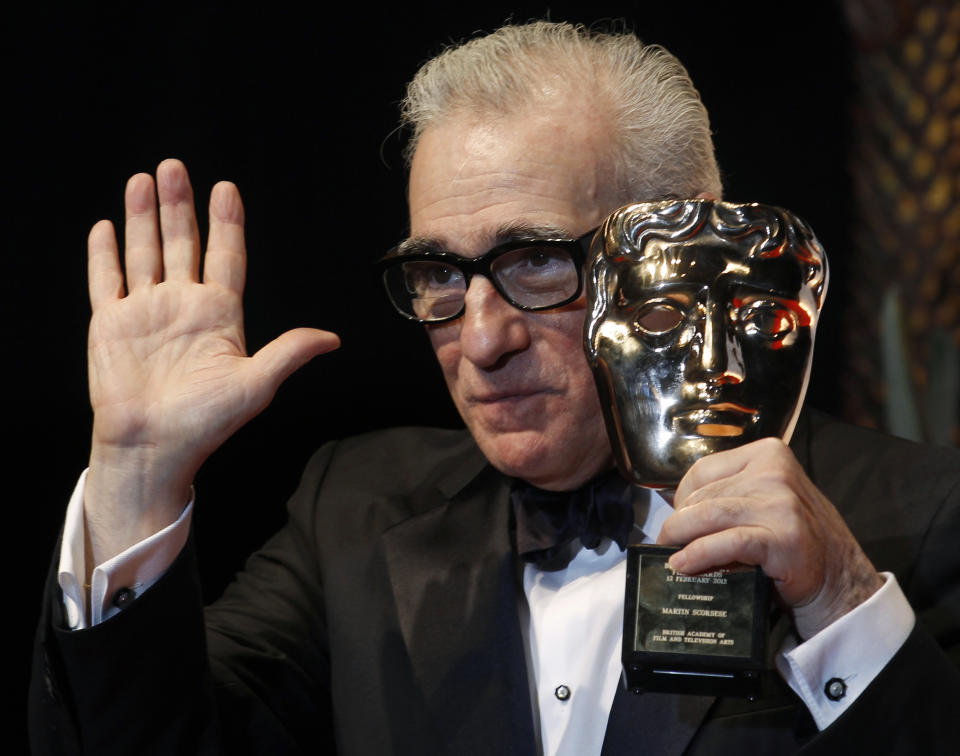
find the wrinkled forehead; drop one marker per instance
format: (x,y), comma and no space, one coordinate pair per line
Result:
(709,243)
(706,261)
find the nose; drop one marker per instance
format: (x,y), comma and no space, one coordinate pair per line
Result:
(492,329)
(720,359)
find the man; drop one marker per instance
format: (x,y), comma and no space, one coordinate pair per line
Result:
(392,613)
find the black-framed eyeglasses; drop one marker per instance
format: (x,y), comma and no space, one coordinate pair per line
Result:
(530,274)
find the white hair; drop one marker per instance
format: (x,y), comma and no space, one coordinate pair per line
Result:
(660,132)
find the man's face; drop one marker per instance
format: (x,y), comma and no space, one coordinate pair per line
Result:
(701,349)
(519,379)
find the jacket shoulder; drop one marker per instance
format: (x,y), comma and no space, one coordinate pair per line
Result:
(848,459)
(900,499)
(396,459)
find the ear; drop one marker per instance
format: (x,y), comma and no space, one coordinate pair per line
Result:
(708,196)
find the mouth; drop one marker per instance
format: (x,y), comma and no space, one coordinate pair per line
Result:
(510,395)
(719,419)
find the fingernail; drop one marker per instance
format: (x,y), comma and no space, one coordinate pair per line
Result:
(678,561)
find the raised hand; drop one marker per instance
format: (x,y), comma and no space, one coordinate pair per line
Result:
(170,379)
(755,505)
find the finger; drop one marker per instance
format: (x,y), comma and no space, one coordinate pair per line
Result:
(706,517)
(226,259)
(745,545)
(104,277)
(178,223)
(141,235)
(289,351)
(721,465)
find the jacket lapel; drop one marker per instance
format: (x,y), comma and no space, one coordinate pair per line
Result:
(454,583)
(658,723)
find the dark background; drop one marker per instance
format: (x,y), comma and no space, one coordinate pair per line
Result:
(299,110)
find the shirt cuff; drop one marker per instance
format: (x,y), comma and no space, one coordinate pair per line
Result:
(120,579)
(830,670)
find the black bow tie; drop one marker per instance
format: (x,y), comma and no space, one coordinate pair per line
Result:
(548,520)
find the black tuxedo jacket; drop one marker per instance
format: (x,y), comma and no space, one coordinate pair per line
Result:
(383,619)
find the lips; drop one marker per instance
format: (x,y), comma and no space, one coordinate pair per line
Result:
(713,419)
(503,395)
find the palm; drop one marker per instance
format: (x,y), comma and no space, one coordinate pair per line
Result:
(168,364)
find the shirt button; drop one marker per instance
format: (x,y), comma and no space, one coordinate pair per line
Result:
(835,689)
(562,693)
(122,598)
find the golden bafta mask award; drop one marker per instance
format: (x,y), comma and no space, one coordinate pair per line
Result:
(700,330)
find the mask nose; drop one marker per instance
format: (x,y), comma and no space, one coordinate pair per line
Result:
(719,359)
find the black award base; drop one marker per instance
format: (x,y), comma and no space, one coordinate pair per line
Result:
(699,634)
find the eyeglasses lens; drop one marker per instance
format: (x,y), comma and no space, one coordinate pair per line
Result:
(536,277)
(433,290)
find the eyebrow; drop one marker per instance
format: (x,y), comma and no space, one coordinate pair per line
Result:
(672,286)
(507,232)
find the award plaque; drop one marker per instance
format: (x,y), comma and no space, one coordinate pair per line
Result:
(700,331)
(703,634)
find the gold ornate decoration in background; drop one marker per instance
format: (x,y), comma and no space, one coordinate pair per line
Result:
(901,370)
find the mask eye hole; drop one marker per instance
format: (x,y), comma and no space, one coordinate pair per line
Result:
(767,319)
(658,318)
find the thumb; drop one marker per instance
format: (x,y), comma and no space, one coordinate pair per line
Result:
(277,360)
